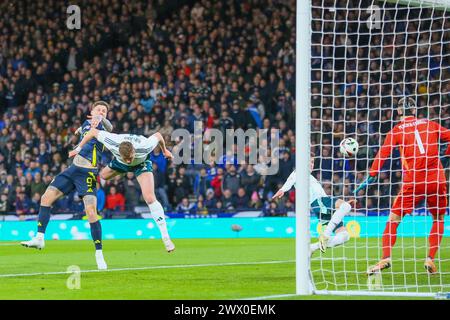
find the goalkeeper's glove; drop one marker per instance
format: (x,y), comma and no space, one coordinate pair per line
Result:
(365,183)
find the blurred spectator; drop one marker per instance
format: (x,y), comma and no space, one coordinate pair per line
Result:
(216,183)
(250,180)
(22,205)
(185,206)
(115,200)
(228,200)
(38,186)
(35,203)
(242,199)
(201,183)
(160,186)
(101,198)
(4,207)
(272,210)
(132,190)
(210,201)
(158,158)
(231,180)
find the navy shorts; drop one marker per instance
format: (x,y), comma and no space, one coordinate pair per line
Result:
(83,180)
(324,208)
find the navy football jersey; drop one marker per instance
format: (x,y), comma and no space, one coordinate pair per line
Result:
(93,150)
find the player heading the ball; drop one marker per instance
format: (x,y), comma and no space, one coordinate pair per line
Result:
(132,154)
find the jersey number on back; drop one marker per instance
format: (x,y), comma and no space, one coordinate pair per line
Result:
(419,142)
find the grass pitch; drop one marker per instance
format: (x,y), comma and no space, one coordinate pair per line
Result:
(198,269)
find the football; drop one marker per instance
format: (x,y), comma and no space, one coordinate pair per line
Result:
(349,147)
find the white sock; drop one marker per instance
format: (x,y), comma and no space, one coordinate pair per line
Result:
(157,213)
(40,235)
(338,239)
(314,247)
(336,218)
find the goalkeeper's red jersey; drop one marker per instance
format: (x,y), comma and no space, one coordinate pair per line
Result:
(418,142)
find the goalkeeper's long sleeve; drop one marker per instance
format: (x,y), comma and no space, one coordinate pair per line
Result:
(290,182)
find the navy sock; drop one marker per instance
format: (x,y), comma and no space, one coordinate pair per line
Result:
(96,232)
(43,218)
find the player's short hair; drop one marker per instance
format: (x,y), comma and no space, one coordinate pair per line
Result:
(407,105)
(100,103)
(126,149)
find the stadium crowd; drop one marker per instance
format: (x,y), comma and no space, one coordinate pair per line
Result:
(229,64)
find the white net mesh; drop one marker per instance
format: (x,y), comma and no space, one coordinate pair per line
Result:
(366,56)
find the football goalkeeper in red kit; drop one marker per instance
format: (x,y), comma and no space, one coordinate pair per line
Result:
(423,178)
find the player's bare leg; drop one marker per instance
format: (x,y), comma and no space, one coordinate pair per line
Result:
(48,199)
(388,240)
(90,206)
(146,181)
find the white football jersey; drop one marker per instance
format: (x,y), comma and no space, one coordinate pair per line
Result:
(142,145)
(315,188)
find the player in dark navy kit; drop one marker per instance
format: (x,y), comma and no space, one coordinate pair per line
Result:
(82,177)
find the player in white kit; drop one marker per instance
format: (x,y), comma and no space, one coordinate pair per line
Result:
(323,205)
(132,154)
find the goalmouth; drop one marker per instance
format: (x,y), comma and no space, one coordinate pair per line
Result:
(341,274)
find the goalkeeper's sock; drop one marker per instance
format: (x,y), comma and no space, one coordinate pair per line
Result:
(434,240)
(337,218)
(338,239)
(96,233)
(157,213)
(389,238)
(43,218)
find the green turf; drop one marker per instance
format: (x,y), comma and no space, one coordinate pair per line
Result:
(242,280)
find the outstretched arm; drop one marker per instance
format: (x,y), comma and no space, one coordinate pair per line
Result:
(93,133)
(290,182)
(162,144)
(384,152)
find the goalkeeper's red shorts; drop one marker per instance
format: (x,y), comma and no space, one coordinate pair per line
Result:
(412,194)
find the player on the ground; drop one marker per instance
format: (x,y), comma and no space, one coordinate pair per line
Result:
(423,178)
(323,205)
(81,175)
(132,154)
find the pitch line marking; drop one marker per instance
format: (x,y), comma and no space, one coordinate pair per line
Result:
(149,268)
(271,297)
(8,244)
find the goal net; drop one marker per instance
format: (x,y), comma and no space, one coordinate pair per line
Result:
(365,56)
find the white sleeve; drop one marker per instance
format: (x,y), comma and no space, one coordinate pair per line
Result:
(290,182)
(111,141)
(151,142)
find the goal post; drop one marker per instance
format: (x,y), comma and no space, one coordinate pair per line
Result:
(302,144)
(354,61)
